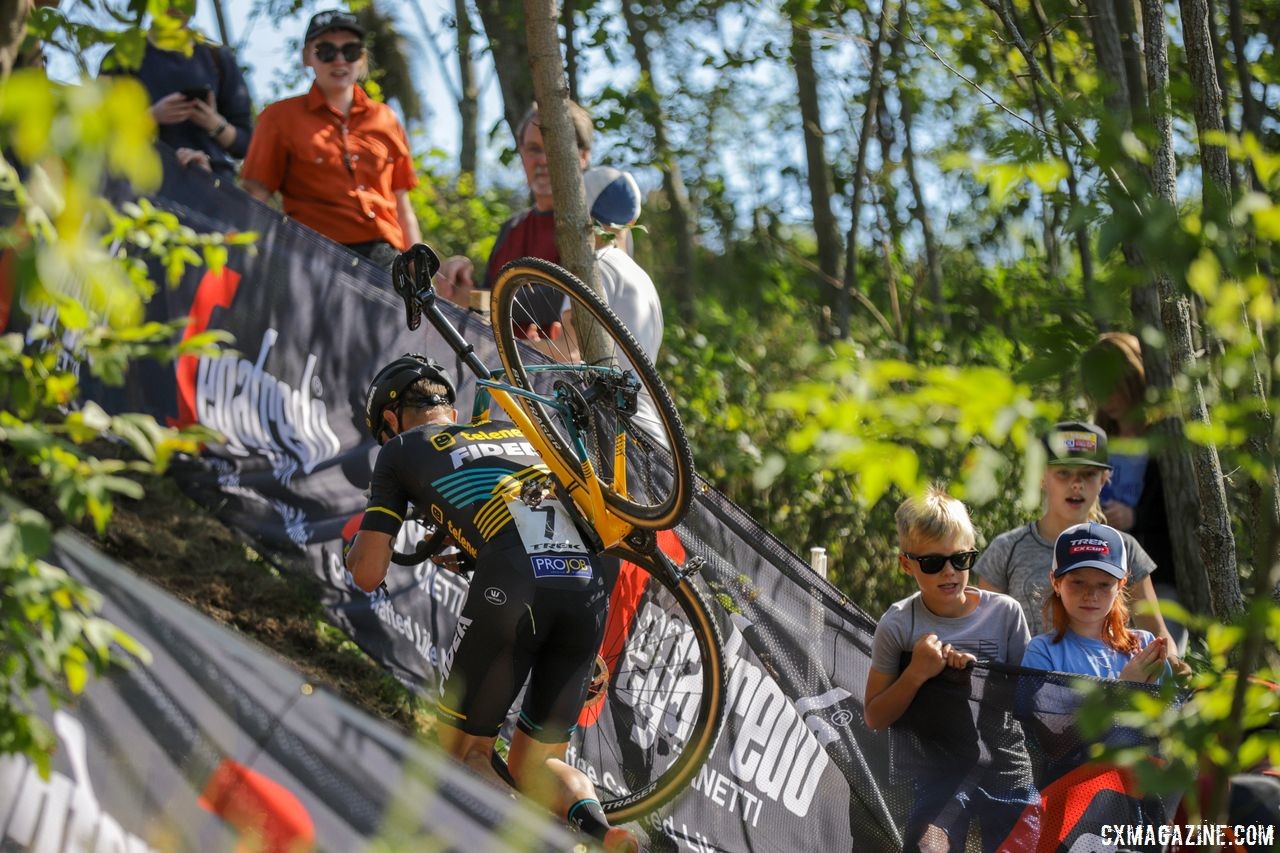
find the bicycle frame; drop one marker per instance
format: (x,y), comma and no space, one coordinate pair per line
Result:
(583,489)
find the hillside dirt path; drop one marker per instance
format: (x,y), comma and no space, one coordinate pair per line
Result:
(176,544)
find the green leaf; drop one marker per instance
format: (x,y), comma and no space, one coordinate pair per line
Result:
(1048,174)
(75,669)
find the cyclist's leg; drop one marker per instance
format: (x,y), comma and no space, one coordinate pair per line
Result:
(490,658)
(472,750)
(571,625)
(543,776)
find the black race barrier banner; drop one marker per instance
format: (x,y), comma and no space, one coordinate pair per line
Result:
(795,768)
(217,746)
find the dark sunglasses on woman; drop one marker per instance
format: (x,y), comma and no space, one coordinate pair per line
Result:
(328,52)
(931,564)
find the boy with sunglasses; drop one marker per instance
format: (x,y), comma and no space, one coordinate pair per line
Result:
(948,624)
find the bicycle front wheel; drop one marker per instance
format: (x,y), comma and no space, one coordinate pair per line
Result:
(613,418)
(655,709)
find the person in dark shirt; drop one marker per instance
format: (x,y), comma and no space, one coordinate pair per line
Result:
(530,233)
(538,598)
(200,101)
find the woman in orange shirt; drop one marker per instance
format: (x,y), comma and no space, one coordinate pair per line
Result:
(339,159)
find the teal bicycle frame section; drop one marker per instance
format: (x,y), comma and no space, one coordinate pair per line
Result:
(497,381)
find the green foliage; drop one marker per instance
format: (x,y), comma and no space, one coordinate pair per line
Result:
(85,295)
(52,642)
(457,217)
(1191,720)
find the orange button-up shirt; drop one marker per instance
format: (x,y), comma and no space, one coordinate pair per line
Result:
(337,176)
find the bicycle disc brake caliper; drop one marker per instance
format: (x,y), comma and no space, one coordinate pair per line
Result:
(626,389)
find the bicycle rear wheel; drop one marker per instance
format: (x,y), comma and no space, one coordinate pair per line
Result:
(621,426)
(648,729)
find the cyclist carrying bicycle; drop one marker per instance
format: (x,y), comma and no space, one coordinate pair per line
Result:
(538,598)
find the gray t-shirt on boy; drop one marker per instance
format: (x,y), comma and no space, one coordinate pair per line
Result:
(1018,562)
(995,631)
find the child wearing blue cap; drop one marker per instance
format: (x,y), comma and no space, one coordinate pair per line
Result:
(1090,618)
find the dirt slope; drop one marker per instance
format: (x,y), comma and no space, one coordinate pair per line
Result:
(172,541)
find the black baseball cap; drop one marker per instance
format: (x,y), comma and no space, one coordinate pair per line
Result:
(1076,443)
(1090,546)
(334,19)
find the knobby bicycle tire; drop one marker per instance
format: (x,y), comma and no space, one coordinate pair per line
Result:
(663,705)
(529,293)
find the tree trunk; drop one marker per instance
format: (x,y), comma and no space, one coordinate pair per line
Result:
(1198,36)
(933,263)
(1104,24)
(1250,113)
(13,28)
(673,187)
(844,298)
(504,26)
(574,237)
(821,187)
(1135,72)
(1162,306)
(1084,248)
(1206,102)
(570,48)
(224,32)
(468,91)
(1220,68)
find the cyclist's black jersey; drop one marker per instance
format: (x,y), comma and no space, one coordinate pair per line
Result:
(464,476)
(538,598)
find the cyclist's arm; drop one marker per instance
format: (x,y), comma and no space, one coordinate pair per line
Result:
(369,558)
(370,555)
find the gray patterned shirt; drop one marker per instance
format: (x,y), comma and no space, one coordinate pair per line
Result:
(1017,563)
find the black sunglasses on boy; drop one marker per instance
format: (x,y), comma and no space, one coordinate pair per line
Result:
(931,564)
(328,51)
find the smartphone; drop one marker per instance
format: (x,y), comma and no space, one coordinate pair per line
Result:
(198,93)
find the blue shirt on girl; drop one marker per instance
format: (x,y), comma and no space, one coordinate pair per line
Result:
(1081,655)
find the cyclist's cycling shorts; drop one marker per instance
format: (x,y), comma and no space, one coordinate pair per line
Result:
(539,617)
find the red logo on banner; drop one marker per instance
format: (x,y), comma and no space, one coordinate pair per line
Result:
(623,605)
(216,290)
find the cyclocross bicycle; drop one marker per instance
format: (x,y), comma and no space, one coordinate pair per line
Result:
(591,403)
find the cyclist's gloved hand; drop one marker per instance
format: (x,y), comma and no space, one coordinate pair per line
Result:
(455,561)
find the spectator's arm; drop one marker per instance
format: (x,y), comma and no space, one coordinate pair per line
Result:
(408,219)
(454,280)
(267,162)
(887,696)
(235,105)
(983,583)
(256,190)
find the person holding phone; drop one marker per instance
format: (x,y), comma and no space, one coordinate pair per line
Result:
(339,160)
(200,101)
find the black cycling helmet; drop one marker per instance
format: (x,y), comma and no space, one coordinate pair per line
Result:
(388,387)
